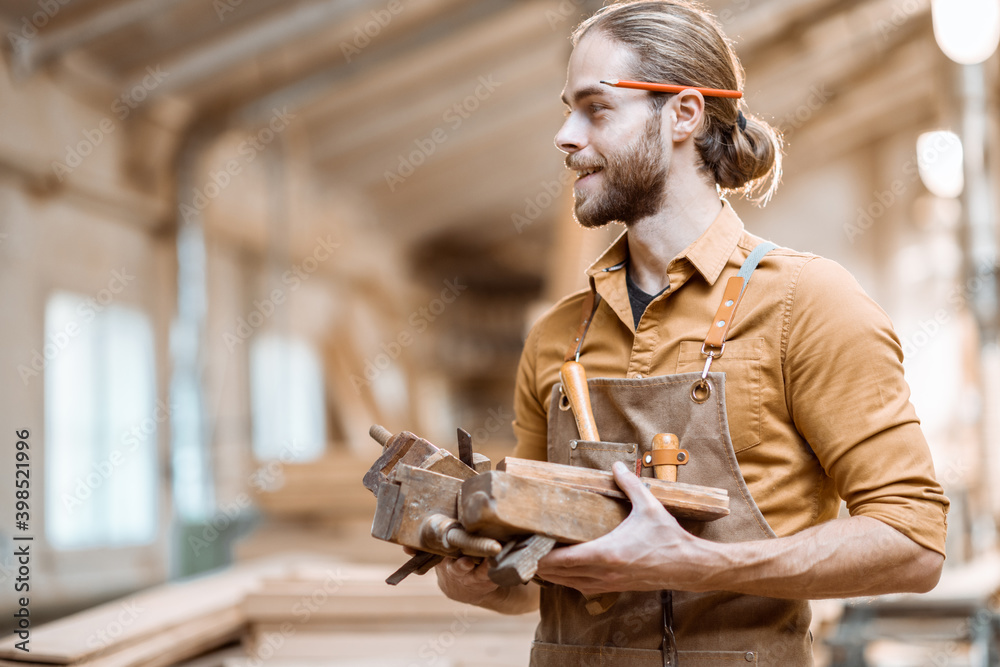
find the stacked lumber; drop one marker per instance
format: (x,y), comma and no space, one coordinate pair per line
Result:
(347,615)
(289,610)
(157,627)
(327,490)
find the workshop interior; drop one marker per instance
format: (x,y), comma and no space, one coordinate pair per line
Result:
(266,266)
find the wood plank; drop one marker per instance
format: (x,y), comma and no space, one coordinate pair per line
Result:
(503,506)
(457,643)
(688,501)
(185,641)
(150,613)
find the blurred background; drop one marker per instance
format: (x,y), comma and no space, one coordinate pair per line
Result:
(234,234)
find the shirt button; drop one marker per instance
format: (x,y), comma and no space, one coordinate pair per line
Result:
(638,376)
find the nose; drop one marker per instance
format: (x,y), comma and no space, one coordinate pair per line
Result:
(570,138)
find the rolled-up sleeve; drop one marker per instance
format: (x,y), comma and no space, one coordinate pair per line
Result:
(844,386)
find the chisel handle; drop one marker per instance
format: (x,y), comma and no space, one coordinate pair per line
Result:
(574,383)
(666,441)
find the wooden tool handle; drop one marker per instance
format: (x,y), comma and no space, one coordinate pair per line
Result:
(665,441)
(574,383)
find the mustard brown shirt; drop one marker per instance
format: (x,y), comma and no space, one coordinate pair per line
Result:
(818,408)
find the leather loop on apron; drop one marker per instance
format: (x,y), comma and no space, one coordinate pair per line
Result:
(641,628)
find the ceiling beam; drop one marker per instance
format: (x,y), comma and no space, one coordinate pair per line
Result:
(532,79)
(48,46)
(278,29)
(386,73)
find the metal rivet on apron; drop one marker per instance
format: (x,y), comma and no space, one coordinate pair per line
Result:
(631,448)
(720,323)
(647,459)
(749,656)
(572,444)
(729,303)
(680,456)
(701,390)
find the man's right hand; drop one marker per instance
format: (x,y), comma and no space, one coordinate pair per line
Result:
(464,580)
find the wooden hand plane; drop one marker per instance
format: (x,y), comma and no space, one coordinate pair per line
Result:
(441,505)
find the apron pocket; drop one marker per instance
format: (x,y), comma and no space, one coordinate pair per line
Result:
(601,455)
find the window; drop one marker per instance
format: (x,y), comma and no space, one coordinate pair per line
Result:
(101,422)
(286,391)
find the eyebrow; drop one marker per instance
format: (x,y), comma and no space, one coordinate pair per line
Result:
(584,93)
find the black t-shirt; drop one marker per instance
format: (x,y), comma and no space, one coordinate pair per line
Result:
(638,298)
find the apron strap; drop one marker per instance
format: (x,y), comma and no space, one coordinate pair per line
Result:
(715,341)
(590,303)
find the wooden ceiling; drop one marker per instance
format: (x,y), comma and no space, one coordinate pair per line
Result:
(373,82)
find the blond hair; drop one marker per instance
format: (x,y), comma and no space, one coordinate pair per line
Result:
(676,41)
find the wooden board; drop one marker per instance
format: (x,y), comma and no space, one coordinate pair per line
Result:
(502,506)
(456,642)
(179,643)
(150,613)
(685,501)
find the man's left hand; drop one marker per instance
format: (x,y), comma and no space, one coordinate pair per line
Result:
(648,551)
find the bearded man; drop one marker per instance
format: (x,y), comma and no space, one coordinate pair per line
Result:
(791,403)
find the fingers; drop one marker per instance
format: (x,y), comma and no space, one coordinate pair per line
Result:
(466,568)
(633,487)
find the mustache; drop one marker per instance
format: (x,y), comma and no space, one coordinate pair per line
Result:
(579,164)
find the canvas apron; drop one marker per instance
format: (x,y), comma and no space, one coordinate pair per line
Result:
(658,628)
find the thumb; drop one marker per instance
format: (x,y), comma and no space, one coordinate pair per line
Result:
(641,497)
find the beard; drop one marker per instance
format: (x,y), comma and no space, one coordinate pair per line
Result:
(634,180)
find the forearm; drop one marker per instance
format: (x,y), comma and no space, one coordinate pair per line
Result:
(850,557)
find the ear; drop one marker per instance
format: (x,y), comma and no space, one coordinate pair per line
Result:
(688,109)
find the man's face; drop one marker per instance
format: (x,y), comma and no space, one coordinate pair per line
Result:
(612,138)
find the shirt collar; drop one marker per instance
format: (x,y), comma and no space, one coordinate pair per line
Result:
(708,254)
